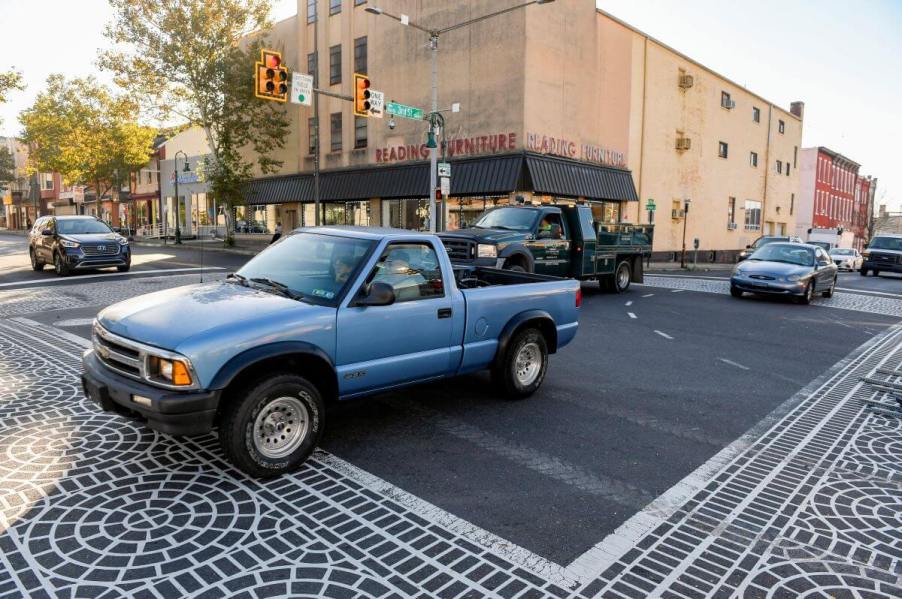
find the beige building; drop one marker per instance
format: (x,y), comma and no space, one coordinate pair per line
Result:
(559,103)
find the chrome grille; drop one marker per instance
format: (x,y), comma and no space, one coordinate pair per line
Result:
(103,249)
(459,249)
(117,354)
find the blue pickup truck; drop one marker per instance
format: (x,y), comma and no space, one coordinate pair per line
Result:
(324,314)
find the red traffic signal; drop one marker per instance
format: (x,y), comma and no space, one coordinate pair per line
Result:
(270,77)
(361,95)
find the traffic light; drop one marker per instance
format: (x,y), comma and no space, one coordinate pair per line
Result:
(271,77)
(361,95)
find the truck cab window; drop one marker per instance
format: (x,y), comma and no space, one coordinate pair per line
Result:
(551,227)
(413,271)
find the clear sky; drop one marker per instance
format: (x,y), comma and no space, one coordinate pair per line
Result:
(843,59)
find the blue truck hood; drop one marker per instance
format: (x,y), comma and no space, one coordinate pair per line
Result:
(182,316)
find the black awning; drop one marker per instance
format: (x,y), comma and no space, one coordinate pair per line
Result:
(398,181)
(279,190)
(559,176)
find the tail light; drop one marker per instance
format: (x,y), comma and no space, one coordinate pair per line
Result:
(579,297)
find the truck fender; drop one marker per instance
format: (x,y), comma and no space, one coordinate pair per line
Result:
(241,362)
(519,250)
(543,320)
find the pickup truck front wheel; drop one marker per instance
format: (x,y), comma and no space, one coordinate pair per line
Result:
(523,366)
(272,426)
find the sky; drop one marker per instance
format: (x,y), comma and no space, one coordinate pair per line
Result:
(843,59)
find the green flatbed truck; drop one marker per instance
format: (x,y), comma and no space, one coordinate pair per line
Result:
(565,241)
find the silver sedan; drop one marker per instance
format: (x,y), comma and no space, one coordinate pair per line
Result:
(846,258)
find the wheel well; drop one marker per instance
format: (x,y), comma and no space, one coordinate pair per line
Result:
(545,326)
(313,368)
(518,260)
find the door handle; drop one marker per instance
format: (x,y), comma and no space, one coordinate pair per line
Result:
(444,312)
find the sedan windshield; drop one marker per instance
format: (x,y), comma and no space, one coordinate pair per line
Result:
(886,243)
(515,219)
(788,253)
(763,241)
(81,226)
(308,266)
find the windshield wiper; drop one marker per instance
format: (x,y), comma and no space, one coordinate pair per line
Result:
(280,288)
(241,279)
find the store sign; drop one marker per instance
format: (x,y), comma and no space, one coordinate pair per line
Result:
(469,146)
(558,146)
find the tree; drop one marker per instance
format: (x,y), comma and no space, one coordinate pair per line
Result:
(7,169)
(194,59)
(9,81)
(77,128)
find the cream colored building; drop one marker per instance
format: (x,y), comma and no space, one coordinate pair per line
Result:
(559,103)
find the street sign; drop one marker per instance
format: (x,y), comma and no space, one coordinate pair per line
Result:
(377,103)
(444,169)
(445,186)
(404,111)
(695,243)
(650,205)
(302,89)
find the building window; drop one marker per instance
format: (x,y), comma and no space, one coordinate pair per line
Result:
(360,55)
(792,203)
(722,149)
(360,131)
(756,114)
(311,11)
(725,100)
(335,64)
(731,213)
(311,130)
(787,168)
(313,68)
(795,156)
(781,126)
(335,131)
(753,159)
(48,182)
(780,166)
(334,7)
(359,2)
(752,215)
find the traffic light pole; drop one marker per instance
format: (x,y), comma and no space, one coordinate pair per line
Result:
(433,155)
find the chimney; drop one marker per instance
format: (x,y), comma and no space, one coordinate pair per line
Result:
(798,109)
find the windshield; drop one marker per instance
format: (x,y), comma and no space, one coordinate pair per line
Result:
(788,253)
(81,226)
(763,241)
(886,243)
(316,267)
(842,252)
(515,219)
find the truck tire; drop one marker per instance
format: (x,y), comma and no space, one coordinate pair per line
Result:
(273,425)
(523,366)
(622,276)
(513,266)
(863,272)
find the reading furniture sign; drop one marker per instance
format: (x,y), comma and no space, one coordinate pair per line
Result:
(559,146)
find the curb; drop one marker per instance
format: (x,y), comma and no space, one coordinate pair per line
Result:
(224,250)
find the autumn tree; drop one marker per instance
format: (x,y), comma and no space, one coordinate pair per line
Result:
(194,60)
(9,81)
(7,169)
(78,128)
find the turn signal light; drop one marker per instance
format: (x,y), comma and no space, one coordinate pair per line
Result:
(180,375)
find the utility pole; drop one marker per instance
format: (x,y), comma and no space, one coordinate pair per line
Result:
(685,219)
(316,136)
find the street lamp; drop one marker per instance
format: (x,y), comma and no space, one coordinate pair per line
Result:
(685,218)
(178,203)
(434,35)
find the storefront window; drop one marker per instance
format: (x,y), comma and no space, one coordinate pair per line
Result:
(347,213)
(463,212)
(406,214)
(606,212)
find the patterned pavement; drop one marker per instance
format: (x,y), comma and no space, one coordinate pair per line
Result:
(95,505)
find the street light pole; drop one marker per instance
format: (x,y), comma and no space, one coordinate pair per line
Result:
(434,35)
(178,202)
(685,219)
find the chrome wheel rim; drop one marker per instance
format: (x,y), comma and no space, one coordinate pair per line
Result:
(281,427)
(528,364)
(623,278)
(810,291)
(57,264)
(34,261)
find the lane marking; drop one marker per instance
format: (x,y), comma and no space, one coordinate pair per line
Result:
(629,303)
(732,363)
(73,322)
(677,290)
(632,315)
(648,295)
(868,292)
(663,334)
(71,337)
(77,278)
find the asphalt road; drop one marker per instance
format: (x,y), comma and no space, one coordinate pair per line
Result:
(648,392)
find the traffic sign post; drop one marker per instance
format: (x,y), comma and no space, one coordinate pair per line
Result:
(444,169)
(445,186)
(302,89)
(377,103)
(404,111)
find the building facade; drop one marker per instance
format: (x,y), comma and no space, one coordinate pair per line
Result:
(835,196)
(559,103)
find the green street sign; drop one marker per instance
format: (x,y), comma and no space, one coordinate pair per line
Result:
(650,205)
(404,111)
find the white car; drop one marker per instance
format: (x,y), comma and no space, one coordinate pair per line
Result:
(846,258)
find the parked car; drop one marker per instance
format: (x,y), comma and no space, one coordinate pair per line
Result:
(324,314)
(73,243)
(846,258)
(790,269)
(764,240)
(884,253)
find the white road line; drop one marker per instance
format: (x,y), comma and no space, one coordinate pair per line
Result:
(868,292)
(80,341)
(677,290)
(632,315)
(663,334)
(732,363)
(73,322)
(629,303)
(648,295)
(133,273)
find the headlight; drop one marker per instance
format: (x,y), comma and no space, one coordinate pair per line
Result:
(174,372)
(69,244)
(123,241)
(865,254)
(484,250)
(793,278)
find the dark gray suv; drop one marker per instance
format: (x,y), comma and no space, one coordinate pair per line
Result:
(884,253)
(72,243)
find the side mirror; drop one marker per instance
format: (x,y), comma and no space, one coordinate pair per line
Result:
(748,247)
(379,294)
(46,232)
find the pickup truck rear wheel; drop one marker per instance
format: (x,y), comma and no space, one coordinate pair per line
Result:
(524,364)
(622,276)
(272,425)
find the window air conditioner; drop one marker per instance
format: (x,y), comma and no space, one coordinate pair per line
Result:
(683,143)
(686,81)
(677,214)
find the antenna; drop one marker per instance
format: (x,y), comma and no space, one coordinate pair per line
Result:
(200,230)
